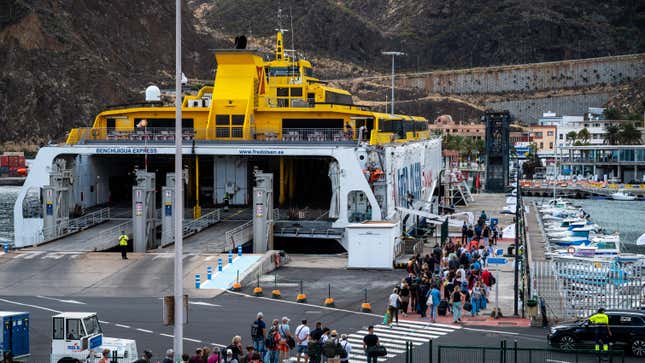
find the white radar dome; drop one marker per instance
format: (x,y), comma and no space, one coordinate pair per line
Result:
(153,93)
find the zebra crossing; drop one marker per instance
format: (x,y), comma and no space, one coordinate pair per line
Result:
(394,337)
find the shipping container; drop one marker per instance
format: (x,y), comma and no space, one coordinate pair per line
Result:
(15,333)
(4,160)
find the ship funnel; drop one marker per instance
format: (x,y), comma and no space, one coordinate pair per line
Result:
(240,42)
(153,93)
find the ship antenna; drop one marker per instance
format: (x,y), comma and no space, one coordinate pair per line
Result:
(292,36)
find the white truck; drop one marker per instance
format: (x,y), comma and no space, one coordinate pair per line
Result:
(78,337)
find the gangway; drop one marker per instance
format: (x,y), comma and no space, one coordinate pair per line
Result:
(437,219)
(75,225)
(99,238)
(307,229)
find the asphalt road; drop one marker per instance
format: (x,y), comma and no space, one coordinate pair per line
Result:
(215,321)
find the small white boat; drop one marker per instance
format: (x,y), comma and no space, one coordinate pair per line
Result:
(623,195)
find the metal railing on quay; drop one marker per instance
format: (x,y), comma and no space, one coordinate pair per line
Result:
(73,225)
(239,235)
(299,135)
(205,221)
(505,353)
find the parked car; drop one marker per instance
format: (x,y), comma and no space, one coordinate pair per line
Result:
(627,329)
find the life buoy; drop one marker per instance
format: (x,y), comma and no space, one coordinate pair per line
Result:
(571,250)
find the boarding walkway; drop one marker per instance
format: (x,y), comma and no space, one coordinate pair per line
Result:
(98,238)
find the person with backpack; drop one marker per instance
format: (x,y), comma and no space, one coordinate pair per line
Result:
(394,302)
(331,348)
(455,300)
(302,339)
(346,349)
(258,334)
(476,298)
(272,354)
(434,299)
(285,337)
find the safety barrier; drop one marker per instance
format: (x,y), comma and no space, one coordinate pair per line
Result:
(515,354)
(240,234)
(575,288)
(73,225)
(205,221)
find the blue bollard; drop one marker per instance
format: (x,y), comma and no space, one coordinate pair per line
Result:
(230,256)
(6,248)
(209,273)
(197,281)
(239,250)
(219,264)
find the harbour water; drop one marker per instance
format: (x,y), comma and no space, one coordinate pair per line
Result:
(626,217)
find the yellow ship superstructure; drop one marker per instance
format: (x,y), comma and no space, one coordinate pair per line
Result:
(257,100)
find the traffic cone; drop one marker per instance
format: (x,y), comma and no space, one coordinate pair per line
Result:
(276,294)
(329,302)
(301,298)
(257,291)
(366,307)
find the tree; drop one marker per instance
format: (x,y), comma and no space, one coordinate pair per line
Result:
(630,135)
(613,135)
(571,135)
(584,136)
(611,114)
(532,163)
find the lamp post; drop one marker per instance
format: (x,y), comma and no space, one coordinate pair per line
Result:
(393,54)
(144,123)
(178,336)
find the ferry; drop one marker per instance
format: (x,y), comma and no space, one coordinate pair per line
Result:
(323,151)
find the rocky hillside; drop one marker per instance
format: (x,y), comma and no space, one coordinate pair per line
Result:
(63,61)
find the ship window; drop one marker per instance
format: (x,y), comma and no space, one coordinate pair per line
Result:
(236,132)
(283,102)
(283,71)
(309,72)
(237,120)
(296,92)
(338,98)
(221,120)
(282,92)
(222,132)
(385,125)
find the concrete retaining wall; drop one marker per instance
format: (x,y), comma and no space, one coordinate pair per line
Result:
(530,110)
(529,77)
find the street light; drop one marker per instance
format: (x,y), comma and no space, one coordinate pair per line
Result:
(178,336)
(393,54)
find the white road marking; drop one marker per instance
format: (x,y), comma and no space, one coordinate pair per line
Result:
(203,303)
(167,335)
(303,304)
(122,326)
(429,324)
(193,340)
(145,330)
(31,306)
(360,338)
(492,331)
(104,322)
(62,300)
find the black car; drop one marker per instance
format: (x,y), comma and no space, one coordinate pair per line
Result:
(627,331)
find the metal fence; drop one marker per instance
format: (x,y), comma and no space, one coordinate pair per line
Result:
(240,234)
(514,354)
(576,288)
(74,225)
(196,225)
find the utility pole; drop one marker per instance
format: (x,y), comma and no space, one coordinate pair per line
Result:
(178,337)
(393,54)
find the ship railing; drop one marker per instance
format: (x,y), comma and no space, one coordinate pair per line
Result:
(240,234)
(307,135)
(139,135)
(205,221)
(152,135)
(75,225)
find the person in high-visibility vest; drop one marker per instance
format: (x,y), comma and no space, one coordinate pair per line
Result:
(600,324)
(123,244)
